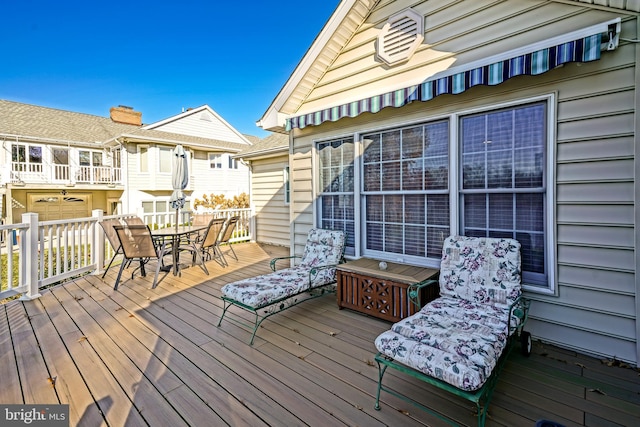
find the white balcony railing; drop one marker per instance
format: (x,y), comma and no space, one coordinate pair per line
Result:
(37,254)
(51,174)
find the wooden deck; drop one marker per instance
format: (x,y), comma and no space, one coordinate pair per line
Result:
(142,356)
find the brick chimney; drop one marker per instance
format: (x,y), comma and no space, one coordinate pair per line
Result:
(126,115)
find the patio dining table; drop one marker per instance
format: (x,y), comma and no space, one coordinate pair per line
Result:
(174,235)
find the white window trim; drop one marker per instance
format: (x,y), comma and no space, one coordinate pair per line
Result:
(159,149)
(550,179)
(138,150)
(218,156)
(286,179)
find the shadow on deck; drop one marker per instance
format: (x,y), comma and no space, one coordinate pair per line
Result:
(141,356)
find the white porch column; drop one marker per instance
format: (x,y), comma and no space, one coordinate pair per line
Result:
(98,244)
(29,268)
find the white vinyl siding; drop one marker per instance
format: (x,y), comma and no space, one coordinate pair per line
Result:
(229,182)
(594,307)
(201,123)
(268,200)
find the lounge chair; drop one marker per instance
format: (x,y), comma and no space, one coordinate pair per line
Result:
(459,341)
(315,275)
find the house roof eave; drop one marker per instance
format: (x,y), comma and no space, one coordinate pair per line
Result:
(273,118)
(191,111)
(269,152)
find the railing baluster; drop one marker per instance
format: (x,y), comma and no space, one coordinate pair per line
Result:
(62,249)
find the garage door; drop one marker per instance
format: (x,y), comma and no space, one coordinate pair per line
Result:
(51,207)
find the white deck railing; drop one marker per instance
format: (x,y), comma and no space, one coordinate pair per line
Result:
(37,254)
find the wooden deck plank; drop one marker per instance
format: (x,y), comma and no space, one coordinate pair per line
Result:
(201,372)
(310,365)
(136,368)
(358,395)
(36,386)
(8,366)
(131,379)
(167,307)
(67,381)
(269,388)
(113,402)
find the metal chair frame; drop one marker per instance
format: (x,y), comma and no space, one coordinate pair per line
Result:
(137,242)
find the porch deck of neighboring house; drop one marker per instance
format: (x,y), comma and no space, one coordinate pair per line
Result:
(142,356)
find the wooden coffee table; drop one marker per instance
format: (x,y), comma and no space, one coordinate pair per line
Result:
(364,287)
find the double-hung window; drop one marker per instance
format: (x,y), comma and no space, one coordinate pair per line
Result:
(476,174)
(502,184)
(215,161)
(143,158)
(405,191)
(336,198)
(165,163)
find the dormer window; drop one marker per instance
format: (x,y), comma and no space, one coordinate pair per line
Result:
(400,37)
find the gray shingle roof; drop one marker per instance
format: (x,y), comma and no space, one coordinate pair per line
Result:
(275,143)
(49,124)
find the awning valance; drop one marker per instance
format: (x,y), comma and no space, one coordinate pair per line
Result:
(532,60)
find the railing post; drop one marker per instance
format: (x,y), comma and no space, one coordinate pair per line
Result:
(97,251)
(29,246)
(252,224)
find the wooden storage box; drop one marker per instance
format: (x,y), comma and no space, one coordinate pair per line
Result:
(364,287)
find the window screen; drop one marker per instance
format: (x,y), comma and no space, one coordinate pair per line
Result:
(405,190)
(336,200)
(502,181)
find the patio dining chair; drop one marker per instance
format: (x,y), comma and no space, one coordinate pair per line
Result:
(206,244)
(201,219)
(133,220)
(111,235)
(137,244)
(225,237)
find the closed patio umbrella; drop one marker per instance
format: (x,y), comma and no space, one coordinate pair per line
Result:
(179,179)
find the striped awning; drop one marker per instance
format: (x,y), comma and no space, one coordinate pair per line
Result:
(534,62)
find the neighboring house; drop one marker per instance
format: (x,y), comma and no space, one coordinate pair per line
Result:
(228,176)
(62,164)
(412,120)
(268,161)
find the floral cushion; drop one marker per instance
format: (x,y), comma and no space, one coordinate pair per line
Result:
(459,337)
(483,270)
(454,340)
(323,248)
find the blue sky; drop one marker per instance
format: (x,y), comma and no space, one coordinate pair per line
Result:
(156,56)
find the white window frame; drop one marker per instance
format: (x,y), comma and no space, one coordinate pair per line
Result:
(454,161)
(215,159)
(160,150)
(233,163)
(28,165)
(286,180)
(142,167)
